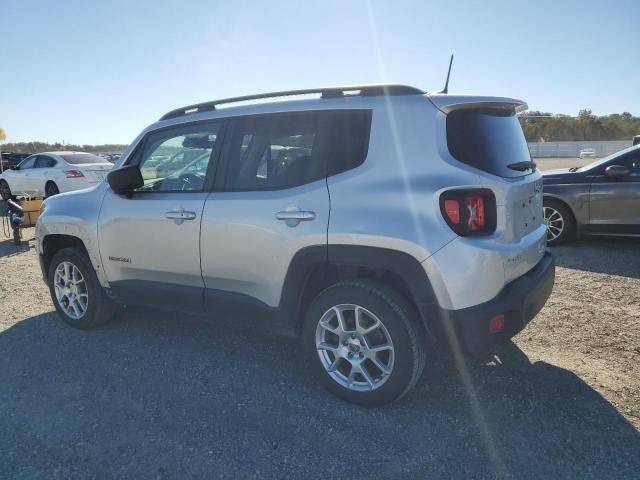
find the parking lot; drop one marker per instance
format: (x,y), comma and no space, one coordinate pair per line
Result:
(161,395)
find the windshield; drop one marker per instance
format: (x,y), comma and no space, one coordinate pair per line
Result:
(604,160)
(489,140)
(81,158)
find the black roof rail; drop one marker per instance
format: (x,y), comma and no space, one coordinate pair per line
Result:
(326,92)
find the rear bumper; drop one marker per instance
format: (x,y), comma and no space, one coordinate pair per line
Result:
(520,301)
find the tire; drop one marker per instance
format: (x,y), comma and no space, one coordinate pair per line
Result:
(399,322)
(561,226)
(98,308)
(51,189)
(5,191)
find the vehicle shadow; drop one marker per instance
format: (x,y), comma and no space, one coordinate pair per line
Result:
(10,249)
(612,256)
(160,396)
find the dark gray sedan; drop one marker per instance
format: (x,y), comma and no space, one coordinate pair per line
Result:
(602,198)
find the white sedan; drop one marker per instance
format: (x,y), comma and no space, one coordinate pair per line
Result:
(46,174)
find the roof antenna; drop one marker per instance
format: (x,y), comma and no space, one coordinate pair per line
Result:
(446,84)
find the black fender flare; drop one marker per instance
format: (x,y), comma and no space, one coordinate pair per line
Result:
(307,262)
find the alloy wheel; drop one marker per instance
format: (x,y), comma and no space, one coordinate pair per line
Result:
(555,223)
(355,347)
(71,290)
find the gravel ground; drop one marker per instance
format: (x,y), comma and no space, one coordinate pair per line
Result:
(163,396)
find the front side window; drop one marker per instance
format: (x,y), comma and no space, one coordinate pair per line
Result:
(274,151)
(178,159)
(27,163)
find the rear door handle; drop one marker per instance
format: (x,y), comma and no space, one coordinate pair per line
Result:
(296,215)
(180,215)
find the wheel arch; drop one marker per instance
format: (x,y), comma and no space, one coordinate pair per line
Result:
(53,243)
(315,268)
(564,203)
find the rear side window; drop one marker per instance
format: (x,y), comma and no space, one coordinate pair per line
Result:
(274,151)
(347,139)
(488,140)
(82,158)
(45,162)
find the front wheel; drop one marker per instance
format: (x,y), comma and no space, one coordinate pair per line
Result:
(365,342)
(76,293)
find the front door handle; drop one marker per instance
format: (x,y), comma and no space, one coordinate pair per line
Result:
(179,215)
(298,215)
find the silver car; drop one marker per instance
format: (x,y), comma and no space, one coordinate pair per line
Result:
(379,223)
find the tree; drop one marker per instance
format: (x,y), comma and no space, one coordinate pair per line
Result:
(3,134)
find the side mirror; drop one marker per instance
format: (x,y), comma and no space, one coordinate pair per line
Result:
(125,180)
(616,171)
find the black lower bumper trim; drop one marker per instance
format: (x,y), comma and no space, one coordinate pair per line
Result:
(520,301)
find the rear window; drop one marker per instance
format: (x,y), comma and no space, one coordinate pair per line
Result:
(487,140)
(80,158)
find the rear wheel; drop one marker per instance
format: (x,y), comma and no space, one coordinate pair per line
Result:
(76,293)
(559,221)
(51,189)
(365,342)
(5,191)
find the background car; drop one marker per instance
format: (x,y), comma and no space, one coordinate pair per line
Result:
(602,198)
(588,153)
(10,159)
(49,173)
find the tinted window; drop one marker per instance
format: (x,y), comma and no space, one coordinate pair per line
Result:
(80,158)
(178,159)
(45,162)
(28,163)
(487,140)
(632,161)
(274,151)
(347,139)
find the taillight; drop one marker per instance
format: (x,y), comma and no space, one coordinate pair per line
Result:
(469,212)
(73,173)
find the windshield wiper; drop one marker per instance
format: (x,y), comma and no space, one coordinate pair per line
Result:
(522,166)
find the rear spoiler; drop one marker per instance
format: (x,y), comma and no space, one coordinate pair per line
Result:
(448,103)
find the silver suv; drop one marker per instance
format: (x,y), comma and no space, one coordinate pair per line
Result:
(379,223)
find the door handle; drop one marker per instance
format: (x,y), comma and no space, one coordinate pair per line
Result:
(180,215)
(296,215)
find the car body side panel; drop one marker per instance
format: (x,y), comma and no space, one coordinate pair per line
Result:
(575,196)
(246,250)
(615,205)
(75,214)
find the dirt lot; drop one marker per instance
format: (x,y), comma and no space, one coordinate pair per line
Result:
(160,395)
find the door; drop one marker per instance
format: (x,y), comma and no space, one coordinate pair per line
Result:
(615,202)
(274,202)
(150,240)
(42,172)
(20,180)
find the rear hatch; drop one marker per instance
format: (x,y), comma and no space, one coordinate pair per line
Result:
(485,134)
